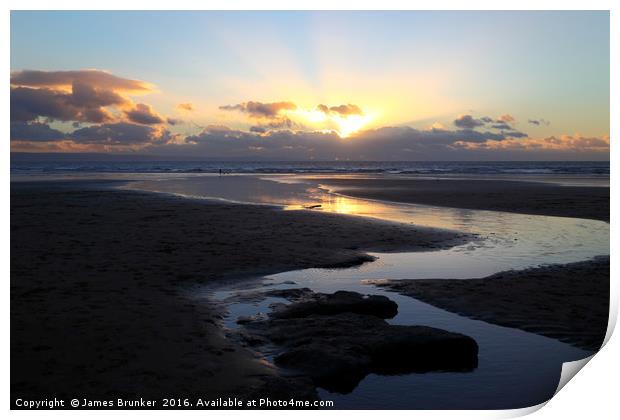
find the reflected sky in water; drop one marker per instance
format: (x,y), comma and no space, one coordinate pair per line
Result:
(507,240)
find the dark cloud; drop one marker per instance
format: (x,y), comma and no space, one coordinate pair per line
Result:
(539,122)
(504,123)
(174,121)
(501,126)
(95,115)
(261,110)
(143,114)
(96,78)
(276,137)
(514,134)
(343,110)
(276,124)
(219,141)
(76,96)
(468,122)
(387,143)
(36,132)
(87,96)
(474,136)
(120,134)
(27,104)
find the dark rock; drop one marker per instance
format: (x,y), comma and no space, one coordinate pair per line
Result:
(325,339)
(252,318)
(291,294)
(350,262)
(338,303)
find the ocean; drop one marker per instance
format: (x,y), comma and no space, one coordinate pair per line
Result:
(23,165)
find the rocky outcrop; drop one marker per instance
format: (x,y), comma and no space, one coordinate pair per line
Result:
(337,339)
(337,303)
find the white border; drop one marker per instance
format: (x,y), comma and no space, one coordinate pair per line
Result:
(592,394)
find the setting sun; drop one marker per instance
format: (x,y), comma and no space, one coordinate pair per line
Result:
(326,119)
(351,124)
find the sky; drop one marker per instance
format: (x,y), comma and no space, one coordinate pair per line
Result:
(412,85)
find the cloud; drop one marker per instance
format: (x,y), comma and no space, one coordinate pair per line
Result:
(514,134)
(120,134)
(323,108)
(27,104)
(506,118)
(580,142)
(221,141)
(35,132)
(539,122)
(115,137)
(501,126)
(469,122)
(277,138)
(387,143)
(86,96)
(343,110)
(259,129)
(143,114)
(503,123)
(276,124)
(559,144)
(174,121)
(58,79)
(104,119)
(261,110)
(186,106)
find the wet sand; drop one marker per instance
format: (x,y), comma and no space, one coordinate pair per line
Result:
(509,196)
(98,281)
(567,302)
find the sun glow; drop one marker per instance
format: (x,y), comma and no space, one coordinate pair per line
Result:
(344,125)
(351,124)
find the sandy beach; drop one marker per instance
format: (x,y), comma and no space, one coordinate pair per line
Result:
(99,281)
(500,195)
(97,275)
(569,302)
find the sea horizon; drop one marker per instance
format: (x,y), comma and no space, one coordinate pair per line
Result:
(48,164)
